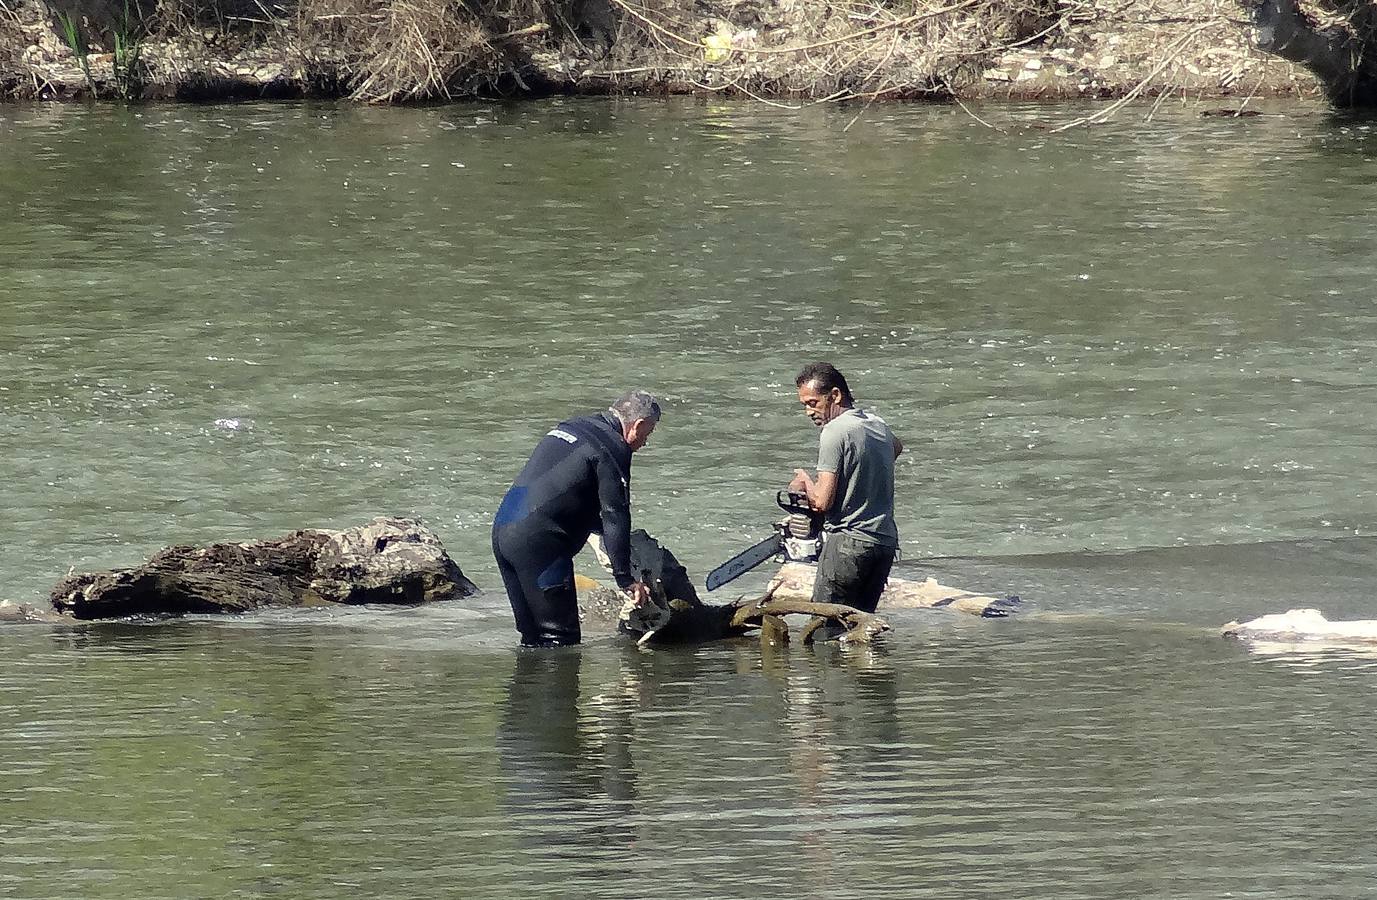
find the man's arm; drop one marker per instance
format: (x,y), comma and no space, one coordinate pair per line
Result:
(614,499)
(898,445)
(820,493)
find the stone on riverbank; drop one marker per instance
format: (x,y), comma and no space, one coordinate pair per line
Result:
(388,560)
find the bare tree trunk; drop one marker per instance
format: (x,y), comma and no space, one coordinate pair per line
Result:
(1336,53)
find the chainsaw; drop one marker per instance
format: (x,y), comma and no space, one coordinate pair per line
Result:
(797,538)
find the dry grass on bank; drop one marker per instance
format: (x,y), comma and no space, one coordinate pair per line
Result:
(796,51)
(823,52)
(391,50)
(12,37)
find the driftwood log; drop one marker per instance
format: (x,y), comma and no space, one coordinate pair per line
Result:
(794,581)
(790,592)
(1303,626)
(388,560)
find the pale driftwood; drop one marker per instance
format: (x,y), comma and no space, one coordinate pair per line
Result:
(794,581)
(1303,626)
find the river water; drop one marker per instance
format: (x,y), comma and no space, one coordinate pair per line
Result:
(1133,367)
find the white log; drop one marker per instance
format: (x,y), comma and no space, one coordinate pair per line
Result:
(794,581)
(1302,625)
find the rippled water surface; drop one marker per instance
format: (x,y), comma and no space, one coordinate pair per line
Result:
(1133,367)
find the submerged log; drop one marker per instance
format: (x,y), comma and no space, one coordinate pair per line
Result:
(388,560)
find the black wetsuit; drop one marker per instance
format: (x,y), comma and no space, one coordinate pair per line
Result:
(577,481)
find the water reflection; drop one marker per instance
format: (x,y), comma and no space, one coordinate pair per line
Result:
(1316,654)
(567,772)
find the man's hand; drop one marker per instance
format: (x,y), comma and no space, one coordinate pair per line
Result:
(639,593)
(802,482)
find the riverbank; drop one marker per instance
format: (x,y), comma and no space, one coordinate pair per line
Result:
(785,50)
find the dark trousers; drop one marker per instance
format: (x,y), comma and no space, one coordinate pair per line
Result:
(540,586)
(852,572)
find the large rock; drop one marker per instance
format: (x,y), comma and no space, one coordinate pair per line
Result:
(388,560)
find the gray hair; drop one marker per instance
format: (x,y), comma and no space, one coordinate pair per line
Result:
(635,405)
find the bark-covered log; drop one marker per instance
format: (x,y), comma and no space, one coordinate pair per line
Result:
(1339,52)
(691,620)
(387,560)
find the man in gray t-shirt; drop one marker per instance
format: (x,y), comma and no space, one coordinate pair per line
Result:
(854,487)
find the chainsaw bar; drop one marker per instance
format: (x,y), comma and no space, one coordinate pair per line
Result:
(744,561)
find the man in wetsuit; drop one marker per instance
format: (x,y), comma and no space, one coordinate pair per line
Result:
(577,481)
(854,487)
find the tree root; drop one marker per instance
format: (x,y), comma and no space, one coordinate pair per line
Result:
(857,627)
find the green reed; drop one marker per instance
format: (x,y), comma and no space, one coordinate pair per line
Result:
(71,33)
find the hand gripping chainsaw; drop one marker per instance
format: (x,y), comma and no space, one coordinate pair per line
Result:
(797,538)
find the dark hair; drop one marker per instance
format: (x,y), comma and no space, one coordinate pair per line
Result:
(827,377)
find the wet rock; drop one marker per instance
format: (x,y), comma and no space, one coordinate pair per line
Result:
(24,612)
(388,560)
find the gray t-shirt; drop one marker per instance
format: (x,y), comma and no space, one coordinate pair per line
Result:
(859,447)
